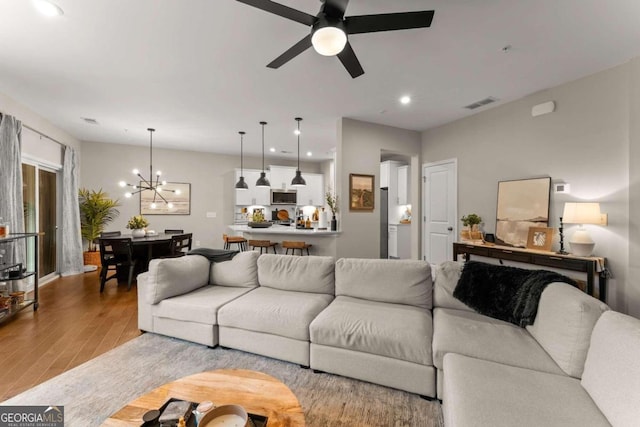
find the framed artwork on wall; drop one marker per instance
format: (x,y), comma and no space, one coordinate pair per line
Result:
(176,193)
(361,195)
(522,204)
(540,238)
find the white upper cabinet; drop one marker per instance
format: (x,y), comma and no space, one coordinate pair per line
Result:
(404,185)
(253,195)
(311,194)
(281,176)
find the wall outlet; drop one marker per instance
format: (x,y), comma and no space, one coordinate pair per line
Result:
(197,242)
(211,214)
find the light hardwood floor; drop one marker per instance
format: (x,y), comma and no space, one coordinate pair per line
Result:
(73,324)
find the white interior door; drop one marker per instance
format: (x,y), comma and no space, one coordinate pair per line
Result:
(440,208)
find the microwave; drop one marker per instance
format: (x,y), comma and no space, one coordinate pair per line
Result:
(284,197)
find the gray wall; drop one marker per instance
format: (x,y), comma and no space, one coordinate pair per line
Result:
(585,143)
(359,148)
(211,177)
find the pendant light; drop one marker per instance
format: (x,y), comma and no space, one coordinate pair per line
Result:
(241,184)
(298,180)
(263,181)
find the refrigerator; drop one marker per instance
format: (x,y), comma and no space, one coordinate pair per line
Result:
(384,223)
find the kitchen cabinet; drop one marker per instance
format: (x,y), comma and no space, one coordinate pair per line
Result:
(311,194)
(281,176)
(388,174)
(253,195)
(399,241)
(404,187)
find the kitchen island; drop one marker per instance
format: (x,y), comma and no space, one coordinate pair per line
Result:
(323,241)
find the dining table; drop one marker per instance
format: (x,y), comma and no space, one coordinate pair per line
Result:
(148,247)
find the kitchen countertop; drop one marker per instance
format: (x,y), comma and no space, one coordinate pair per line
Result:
(283,229)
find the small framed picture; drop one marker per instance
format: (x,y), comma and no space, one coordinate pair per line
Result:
(540,238)
(361,193)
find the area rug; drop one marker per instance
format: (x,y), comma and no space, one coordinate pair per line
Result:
(94,390)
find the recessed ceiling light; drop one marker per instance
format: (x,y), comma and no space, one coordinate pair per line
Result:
(272,149)
(309,153)
(405,100)
(47,8)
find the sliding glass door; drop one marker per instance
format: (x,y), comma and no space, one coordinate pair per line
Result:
(41,207)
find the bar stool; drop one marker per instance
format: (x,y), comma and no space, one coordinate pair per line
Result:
(238,240)
(295,245)
(263,245)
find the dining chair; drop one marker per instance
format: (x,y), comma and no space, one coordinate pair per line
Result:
(116,252)
(179,243)
(173,231)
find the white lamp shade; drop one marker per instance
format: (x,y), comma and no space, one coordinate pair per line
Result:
(582,213)
(329,41)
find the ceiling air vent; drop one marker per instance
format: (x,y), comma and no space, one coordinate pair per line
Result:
(481,103)
(89,120)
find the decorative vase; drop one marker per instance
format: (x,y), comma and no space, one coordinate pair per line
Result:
(465,234)
(475,232)
(91,258)
(137,232)
(334,224)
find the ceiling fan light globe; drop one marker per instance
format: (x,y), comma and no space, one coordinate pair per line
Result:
(329,41)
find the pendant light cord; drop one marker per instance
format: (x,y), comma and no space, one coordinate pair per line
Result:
(298,120)
(241,151)
(263,123)
(150,153)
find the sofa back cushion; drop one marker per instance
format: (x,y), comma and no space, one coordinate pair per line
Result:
(445,280)
(313,274)
(612,370)
(241,271)
(385,280)
(168,277)
(564,322)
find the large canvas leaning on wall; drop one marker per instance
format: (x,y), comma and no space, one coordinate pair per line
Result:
(522,204)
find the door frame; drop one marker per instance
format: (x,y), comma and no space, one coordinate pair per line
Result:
(425,226)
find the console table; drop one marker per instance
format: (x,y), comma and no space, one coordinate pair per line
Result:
(589,265)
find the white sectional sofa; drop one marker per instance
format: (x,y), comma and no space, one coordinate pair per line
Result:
(388,322)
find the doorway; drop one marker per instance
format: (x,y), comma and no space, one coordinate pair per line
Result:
(440,208)
(40,200)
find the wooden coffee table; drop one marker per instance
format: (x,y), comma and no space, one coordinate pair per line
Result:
(258,393)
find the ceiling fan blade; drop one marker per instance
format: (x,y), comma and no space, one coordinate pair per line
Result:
(281,10)
(334,8)
(350,61)
(294,51)
(388,22)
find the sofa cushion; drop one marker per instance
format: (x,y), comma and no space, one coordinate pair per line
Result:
(566,317)
(472,334)
(398,331)
(291,273)
(241,271)
(168,277)
(200,306)
(612,370)
(482,393)
(273,311)
(394,281)
(445,280)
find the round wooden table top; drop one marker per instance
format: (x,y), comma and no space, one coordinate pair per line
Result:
(258,393)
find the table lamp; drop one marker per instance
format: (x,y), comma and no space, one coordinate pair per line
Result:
(582,213)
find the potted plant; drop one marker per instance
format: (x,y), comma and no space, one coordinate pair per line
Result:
(137,224)
(471,231)
(96,211)
(332,202)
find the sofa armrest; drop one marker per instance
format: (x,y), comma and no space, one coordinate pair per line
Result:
(564,322)
(168,277)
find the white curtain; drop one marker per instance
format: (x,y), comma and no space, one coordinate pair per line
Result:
(72,262)
(11,206)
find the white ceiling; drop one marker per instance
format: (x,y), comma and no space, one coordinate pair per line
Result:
(195,69)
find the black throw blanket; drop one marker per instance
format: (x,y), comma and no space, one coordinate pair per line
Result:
(506,293)
(213,255)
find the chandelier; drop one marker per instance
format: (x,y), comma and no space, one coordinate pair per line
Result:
(149,184)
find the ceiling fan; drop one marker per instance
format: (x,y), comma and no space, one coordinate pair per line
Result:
(329,29)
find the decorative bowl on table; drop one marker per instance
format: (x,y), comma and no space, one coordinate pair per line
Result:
(263,224)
